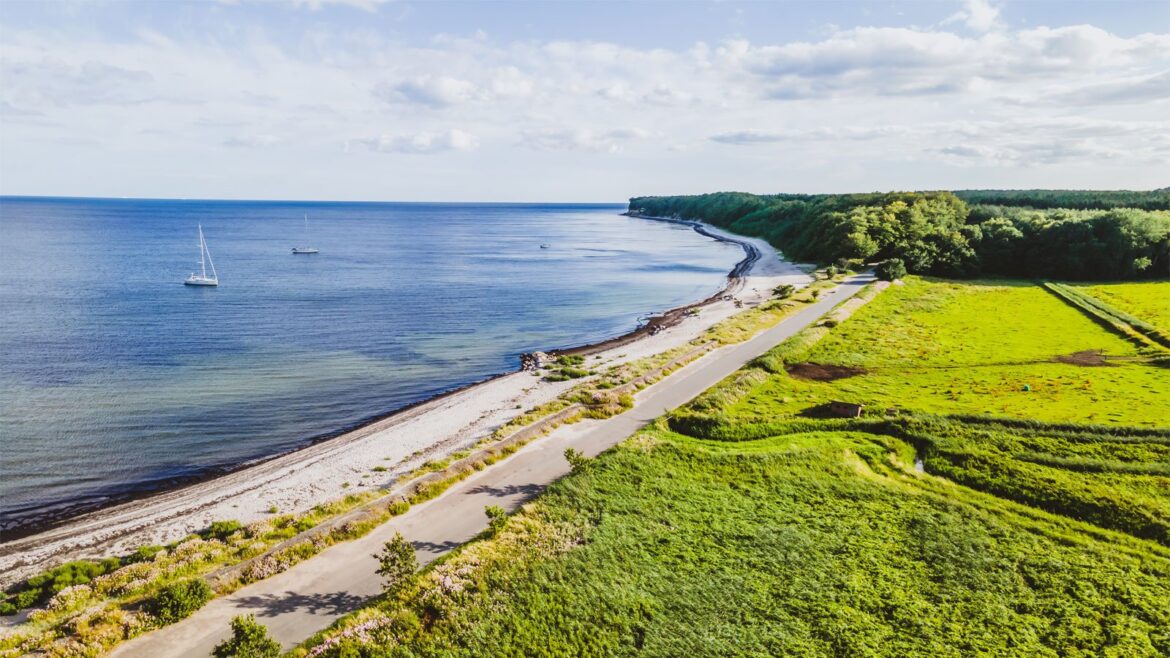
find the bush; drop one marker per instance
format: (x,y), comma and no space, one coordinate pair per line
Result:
(145,553)
(249,640)
(497,519)
(891,269)
(41,587)
(178,600)
(7,608)
(221,529)
(784,291)
(846,264)
(570,360)
(397,564)
(576,459)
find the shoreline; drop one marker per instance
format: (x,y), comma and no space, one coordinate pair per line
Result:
(450,421)
(653,324)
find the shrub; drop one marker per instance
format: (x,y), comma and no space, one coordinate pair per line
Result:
(397,564)
(497,519)
(845,264)
(890,269)
(41,587)
(145,553)
(7,608)
(784,292)
(221,529)
(178,600)
(577,459)
(249,640)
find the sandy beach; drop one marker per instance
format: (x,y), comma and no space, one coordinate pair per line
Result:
(297,481)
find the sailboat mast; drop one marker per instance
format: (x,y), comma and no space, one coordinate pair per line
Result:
(202,251)
(209,261)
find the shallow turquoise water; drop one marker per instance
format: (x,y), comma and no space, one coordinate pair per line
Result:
(116,379)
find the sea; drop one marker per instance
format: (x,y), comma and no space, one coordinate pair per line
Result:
(117,380)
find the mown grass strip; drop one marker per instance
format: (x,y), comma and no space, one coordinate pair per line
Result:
(1142,332)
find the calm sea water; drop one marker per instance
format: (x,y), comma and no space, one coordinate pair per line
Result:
(116,379)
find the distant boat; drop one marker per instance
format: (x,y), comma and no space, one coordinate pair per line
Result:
(305,250)
(545,246)
(202,279)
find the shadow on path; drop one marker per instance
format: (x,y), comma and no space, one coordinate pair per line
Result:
(273,605)
(526,490)
(436,546)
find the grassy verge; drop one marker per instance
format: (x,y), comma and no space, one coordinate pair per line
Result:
(805,544)
(85,607)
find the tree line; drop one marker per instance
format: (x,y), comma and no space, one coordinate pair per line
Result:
(1088,238)
(1078,199)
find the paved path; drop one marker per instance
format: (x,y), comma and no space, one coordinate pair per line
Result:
(311,595)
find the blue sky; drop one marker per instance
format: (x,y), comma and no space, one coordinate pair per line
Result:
(564,101)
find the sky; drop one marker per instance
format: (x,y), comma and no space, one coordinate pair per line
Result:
(386,100)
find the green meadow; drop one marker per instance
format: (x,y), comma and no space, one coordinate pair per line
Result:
(817,543)
(970,348)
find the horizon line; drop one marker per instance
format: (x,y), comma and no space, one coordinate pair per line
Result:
(257,200)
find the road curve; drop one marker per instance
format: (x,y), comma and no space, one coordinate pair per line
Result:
(308,597)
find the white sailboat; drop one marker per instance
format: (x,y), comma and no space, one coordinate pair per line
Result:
(305,250)
(202,279)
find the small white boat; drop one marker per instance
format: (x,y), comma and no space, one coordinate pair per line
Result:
(202,279)
(305,250)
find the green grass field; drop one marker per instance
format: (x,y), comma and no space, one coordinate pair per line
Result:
(947,348)
(1149,301)
(807,544)
(985,517)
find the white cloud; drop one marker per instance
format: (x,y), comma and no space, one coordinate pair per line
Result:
(251,141)
(419,143)
(52,81)
(859,107)
(609,141)
(1141,89)
(316,5)
(979,15)
(750,137)
(510,82)
(911,62)
(432,91)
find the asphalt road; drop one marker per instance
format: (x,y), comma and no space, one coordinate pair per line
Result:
(308,597)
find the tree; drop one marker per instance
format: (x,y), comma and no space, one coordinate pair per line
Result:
(397,564)
(890,269)
(249,640)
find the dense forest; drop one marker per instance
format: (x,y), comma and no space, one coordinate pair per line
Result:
(1082,199)
(1081,235)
